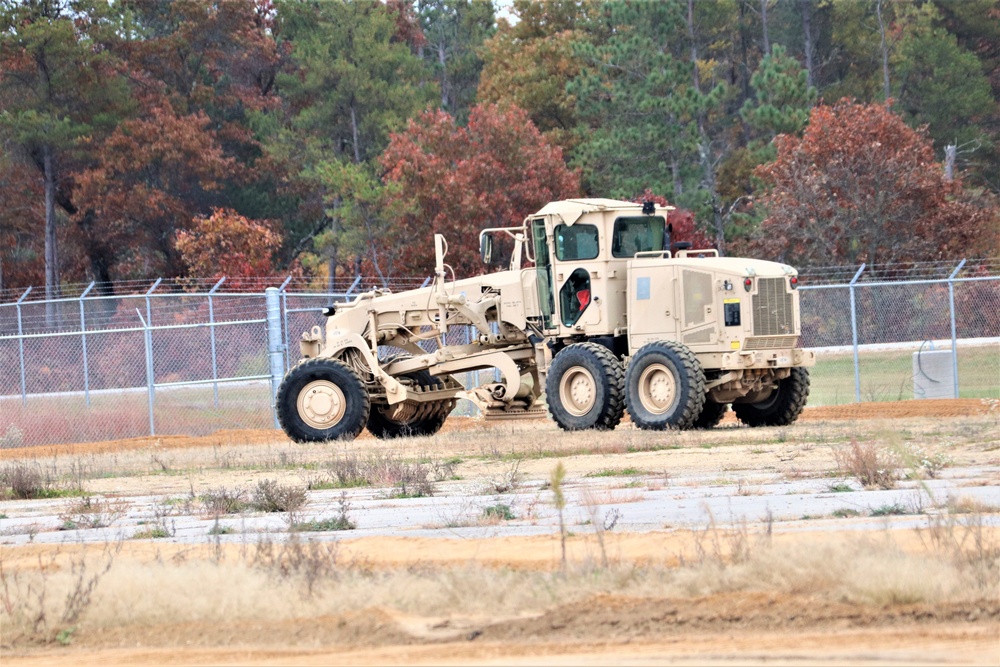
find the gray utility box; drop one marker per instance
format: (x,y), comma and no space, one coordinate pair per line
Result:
(933,374)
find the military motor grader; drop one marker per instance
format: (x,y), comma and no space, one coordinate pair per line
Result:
(597,309)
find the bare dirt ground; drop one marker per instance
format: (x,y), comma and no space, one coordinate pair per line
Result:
(962,407)
(789,589)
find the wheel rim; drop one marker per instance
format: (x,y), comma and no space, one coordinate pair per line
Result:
(657,389)
(578,391)
(321,404)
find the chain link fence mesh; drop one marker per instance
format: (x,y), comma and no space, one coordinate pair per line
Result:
(192,363)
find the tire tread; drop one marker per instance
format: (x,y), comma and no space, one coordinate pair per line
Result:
(792,397)
(613,410)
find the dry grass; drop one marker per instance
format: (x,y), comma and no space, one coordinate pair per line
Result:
(874,465)
(301,580)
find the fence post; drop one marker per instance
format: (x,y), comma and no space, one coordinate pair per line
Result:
(150,377)
(83,343)
(353,286)
(274,344)
(20,346)
(284,318)
(854,335)
(211,330)
(954,336)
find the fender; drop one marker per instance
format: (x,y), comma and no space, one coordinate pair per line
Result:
(337,342)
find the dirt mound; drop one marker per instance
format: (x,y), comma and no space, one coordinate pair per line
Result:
(940,407)
(621,618)
(603,619)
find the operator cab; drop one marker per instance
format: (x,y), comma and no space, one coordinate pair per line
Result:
(581,249)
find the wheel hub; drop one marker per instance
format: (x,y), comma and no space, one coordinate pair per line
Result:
(321,404)
(578,391)
(657,389)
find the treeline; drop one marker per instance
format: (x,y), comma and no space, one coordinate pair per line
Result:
(249,137)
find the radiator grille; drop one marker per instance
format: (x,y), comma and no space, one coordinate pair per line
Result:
(776,343)
(772,309)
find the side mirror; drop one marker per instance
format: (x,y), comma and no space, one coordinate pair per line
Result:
(486,248)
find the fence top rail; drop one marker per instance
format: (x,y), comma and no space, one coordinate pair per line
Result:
(813,276)
(154,327)
(901,272)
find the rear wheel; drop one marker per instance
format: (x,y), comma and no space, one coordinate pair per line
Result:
(584,388)
(711,414)
(782,407)
(664,387)
(322,399)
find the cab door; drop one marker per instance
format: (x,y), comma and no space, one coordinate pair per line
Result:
(543,271)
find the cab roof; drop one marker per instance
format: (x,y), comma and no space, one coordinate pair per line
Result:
(570,210)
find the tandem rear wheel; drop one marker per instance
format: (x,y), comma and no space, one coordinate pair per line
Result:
(584,388)
(665,387)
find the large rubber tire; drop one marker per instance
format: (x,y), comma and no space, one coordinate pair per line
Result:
(584,388)
(711,414)
(782,407)
(664,387)
(322,399)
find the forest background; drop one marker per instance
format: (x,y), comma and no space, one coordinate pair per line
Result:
(244,138)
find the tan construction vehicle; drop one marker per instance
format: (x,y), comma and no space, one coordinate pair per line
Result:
(603,316)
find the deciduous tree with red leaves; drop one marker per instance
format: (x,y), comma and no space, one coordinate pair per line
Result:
(228,244)
(862,186)
(492,173)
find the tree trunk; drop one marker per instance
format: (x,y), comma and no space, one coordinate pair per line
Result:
(445,84)
(885,52)
(763,22)
(720,225)
(694,46)
(354,134)
(704,143)
(51,248)
(675,172)
(331,255)
(950,152)
(806,6)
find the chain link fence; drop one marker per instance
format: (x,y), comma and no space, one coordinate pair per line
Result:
(194,358)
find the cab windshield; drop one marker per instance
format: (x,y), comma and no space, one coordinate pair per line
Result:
(637,234)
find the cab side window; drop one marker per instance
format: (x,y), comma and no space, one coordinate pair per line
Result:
(576,242)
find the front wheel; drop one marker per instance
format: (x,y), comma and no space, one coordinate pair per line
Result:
(584,388)
(322,399)
(782,407)
(665,387)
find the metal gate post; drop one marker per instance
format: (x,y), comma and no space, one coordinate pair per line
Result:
(854,335)
(20,346)
(275,352)
(83,343)
(211,331)
(954,337)
(284,318)
(150,376)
